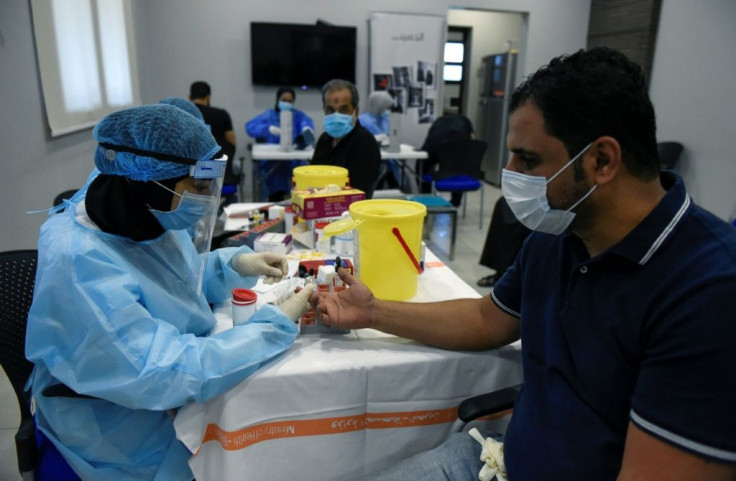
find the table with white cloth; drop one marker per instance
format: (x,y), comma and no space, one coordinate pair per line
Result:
(336,406)
(266,152)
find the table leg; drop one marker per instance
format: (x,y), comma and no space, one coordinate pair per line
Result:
(256,180)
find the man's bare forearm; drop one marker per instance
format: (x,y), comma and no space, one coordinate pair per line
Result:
(461,324)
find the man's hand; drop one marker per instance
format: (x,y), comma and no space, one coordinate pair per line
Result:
(350,308)
(272,266)
(273,130)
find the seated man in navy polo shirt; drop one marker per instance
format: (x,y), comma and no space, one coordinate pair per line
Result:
(624,298)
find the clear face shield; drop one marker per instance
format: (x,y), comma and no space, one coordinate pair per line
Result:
(207,177)
(193,219)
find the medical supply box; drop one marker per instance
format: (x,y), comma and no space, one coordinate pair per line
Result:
(273,242)
(320,203)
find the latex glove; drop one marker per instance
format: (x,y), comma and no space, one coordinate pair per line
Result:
(272,266)
(492,455)
(298,304)
(273,130)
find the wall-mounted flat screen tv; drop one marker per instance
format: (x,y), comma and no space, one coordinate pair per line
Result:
(301,55)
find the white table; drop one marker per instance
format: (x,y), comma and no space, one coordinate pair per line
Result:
(338,406)
(266,152)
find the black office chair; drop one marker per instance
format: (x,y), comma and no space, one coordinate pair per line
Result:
(460,169)
(669,152)
(17,275)
(490,405)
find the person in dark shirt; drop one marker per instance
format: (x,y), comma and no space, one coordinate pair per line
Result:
(447,128)
(221,126)
(623,297)
(345,142)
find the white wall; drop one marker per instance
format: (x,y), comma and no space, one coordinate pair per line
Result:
(182,40)
(692,88)
(189,40)
(179,41)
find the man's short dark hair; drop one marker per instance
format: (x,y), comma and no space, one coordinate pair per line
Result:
(339,84)
(199,90)
(594,93)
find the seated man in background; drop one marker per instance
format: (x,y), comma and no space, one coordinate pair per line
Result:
(623,297)
(447,128)
(119,328)
(345,142)
(220,124)
(266,128)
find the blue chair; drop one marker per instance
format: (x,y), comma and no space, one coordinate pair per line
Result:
(459,170)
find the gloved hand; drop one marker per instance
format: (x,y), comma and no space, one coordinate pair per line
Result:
(273,130)
(273,266)
(298,304)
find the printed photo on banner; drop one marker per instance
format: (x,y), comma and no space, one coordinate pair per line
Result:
(427,73)
(399,96)
(426,112)
(382,81)
(402,76)
(416,96)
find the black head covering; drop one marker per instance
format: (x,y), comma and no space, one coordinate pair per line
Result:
(118,205)
(280,91)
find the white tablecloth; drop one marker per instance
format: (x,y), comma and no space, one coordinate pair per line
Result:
(338,406)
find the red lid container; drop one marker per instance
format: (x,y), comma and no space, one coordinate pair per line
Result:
(244,297)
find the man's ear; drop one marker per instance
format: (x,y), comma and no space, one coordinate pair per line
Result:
(607,154)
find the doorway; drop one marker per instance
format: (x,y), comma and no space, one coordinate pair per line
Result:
(456,69)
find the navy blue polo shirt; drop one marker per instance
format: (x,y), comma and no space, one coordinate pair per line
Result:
(644,332)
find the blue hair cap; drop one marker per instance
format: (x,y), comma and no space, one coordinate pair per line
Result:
(185,105)
(150,133)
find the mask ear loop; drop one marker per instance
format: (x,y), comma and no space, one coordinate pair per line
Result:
(164,187)
(591,190)
(585,149)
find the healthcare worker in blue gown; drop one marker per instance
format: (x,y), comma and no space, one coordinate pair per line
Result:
(376,119)
(120,320)
(266,128)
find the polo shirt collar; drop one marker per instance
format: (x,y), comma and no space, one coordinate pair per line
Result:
(646,238)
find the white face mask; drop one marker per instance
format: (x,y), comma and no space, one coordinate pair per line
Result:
(527,199)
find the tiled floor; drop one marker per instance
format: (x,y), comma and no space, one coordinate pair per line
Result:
(468,246)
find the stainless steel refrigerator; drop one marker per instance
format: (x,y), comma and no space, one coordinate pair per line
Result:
(496,86)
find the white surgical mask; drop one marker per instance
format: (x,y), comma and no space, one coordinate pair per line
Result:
(527,199)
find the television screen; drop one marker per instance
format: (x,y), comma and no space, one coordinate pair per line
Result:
(301,55)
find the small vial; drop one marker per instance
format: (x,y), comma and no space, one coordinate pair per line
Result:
(244,305)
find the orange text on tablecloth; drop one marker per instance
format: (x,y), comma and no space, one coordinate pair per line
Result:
(242,438)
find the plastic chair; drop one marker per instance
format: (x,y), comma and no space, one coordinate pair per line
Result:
(459,169)
(17,275)
(669,152)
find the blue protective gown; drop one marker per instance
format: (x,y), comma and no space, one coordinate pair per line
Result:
(378,124)
(277,173)
(117,320)
(375,124)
